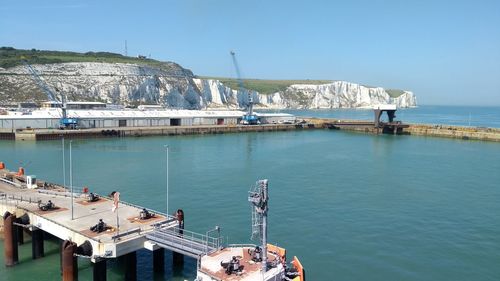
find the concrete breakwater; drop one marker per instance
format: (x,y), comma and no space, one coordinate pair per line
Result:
(465,133)
(456,132)
(447,131)
(51,134)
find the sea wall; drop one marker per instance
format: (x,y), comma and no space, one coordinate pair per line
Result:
(456,132)
(444,131)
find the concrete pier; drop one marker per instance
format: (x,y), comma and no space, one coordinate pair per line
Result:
(124,233)
(446,131)
(372,127)
(126,229)
(52,134)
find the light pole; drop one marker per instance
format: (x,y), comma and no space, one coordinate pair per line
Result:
(166,175)
(71,177)
(63,163)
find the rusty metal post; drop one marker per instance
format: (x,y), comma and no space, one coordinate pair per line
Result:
(131,266)
(99,270)
(10,240)
(69,263)
(159,260)
(37,244)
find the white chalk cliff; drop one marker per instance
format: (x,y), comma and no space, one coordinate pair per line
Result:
(177,87)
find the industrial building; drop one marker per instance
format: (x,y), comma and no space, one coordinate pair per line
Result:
(49,118)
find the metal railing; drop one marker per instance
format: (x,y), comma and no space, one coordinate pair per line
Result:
(152,211)
(27,199)
(184,241)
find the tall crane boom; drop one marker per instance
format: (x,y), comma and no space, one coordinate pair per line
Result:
(65,122)
(249,118)
(237,69)
(38,80)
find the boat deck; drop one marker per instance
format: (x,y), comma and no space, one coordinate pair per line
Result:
(211,265)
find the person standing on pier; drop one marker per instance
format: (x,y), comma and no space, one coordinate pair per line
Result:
(116,199)
(180,219)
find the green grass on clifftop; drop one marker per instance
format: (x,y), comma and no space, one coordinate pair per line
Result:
(10,57)
(394,93)
(265,87)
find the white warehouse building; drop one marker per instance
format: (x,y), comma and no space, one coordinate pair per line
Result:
(49,118)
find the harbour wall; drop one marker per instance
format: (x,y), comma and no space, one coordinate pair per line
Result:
(456,132)
(447,131)
(52,134)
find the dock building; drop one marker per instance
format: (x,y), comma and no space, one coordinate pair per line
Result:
(48,118)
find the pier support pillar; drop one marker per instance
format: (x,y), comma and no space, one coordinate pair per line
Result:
(20,232)
(159,260)
(37,244)
(10,240)
(61,244)
(178,259)
(130,260)
(99,270)
(69,262)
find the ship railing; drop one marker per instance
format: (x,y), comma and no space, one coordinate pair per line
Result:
(241,245)
(77,191)
(152,211)
(189,242)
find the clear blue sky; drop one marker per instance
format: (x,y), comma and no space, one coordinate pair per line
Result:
(447,52)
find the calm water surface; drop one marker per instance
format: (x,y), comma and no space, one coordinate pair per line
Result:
(351,206)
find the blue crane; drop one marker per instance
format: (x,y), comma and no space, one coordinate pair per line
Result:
(64,122)
(249,118)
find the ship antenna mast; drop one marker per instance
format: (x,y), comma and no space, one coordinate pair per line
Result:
(259,198)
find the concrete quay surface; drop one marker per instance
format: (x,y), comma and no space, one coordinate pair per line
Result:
(114,242)
(50,134)
(444,131)
(365,126)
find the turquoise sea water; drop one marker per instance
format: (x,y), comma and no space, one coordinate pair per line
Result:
(350,206)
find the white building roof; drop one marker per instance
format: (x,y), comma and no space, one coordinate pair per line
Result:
(76,102)
(112,114)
